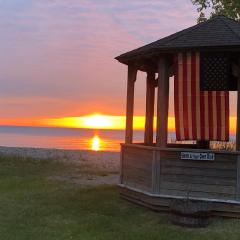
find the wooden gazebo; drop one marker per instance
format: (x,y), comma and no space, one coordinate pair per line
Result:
(154,173)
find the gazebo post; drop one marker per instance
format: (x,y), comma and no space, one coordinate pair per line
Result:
(132,74)
(238,133)
(162,103)
(150,94)
(238,112)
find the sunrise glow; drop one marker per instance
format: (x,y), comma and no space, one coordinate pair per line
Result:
(94,121)
(98,121)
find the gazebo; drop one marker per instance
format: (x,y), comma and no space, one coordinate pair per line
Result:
(203,57)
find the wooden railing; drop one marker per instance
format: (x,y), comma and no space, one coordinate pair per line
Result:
(161,171)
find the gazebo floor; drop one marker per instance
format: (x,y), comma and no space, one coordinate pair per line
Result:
(160,203)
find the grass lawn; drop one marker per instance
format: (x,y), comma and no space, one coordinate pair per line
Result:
(34,206)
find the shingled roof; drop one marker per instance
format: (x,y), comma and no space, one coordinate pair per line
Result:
(220,31)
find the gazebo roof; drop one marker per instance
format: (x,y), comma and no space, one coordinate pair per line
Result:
(220,32)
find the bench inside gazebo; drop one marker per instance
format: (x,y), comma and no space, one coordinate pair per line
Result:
(204,60)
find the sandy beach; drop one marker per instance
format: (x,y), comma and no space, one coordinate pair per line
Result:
(99,167)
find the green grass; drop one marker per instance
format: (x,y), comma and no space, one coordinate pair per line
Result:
(34,207)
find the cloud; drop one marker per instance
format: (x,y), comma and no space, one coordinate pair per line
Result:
(64,50)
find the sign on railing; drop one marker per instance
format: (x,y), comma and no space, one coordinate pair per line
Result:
(197,156)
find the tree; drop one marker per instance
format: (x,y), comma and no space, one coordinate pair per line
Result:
(230,8)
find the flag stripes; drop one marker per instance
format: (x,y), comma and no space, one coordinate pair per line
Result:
(199,115)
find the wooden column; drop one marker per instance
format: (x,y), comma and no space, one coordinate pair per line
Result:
(238,134)
(150,94)
(156,170)
(132,74)
(238,111)
(162,103)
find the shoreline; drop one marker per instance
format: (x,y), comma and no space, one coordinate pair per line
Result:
(100,159)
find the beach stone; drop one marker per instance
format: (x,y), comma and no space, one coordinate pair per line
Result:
(99,159)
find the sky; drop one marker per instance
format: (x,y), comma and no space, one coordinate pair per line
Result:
(57,56)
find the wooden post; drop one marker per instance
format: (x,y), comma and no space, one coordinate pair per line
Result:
(132,74)
(121,165)
(150,94)
(238,111)
(238,134)
(238,178)
(156,170)
(162,103)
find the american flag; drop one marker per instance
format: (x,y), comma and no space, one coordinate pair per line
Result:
(199,115)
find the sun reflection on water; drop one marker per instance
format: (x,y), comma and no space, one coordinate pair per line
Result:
(95,143)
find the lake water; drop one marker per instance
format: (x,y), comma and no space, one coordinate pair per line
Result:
(66,138)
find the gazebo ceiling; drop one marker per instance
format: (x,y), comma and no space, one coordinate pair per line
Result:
(218,33)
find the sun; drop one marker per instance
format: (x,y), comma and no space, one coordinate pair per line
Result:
(97,121)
